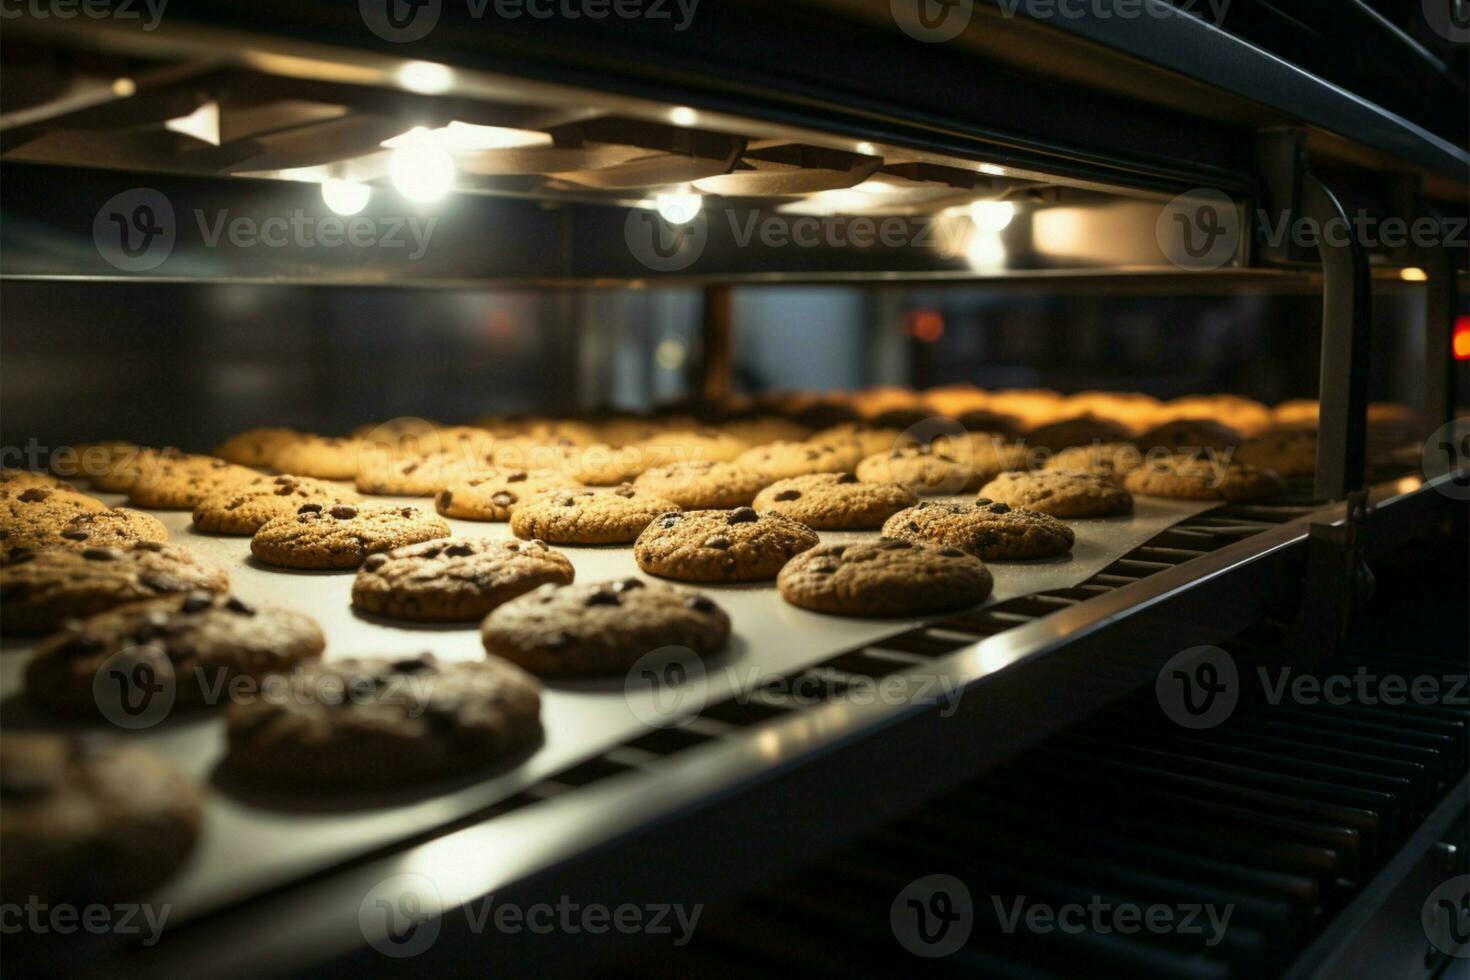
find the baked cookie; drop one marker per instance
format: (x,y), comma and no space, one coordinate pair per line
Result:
(1060,493)
(126,464)
(871,439)
(324,457)
(780,460)
(255,447)
(761,429)
(30,511)
(1080,430)
(206,639)
(1243,415)
(922,470)
(455,579)
(834,501)
(493,496)
(398,720)
(82,820)
(86,459)
(702,485)
(1133,410)
(1289,450)
(588,516)
(1112,459)
(884,578)
(181,485)
(393,475)
(986,529)
(326,536)
(600,465)
(117,527)
(1187,477)
(602,628)
(691,446)
(1189,435)
(244,509)
(39,592)
(14,479)
(720,545)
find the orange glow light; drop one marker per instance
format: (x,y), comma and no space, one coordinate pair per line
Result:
(1461,342)
(926,325)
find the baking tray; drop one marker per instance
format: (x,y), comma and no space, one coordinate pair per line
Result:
(252,841)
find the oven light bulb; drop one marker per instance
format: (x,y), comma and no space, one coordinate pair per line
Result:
(422,170)
(679,208)
(992,216)
(346,197)
(985,252)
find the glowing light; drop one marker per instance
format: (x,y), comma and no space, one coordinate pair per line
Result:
(124,87)
(1412,274)
(422,169)
(683,116)
(426,77)
(1461,342)
(926,325)
(670,354)
(992,169)
(867,149)
(202,124)
(679,207)
(346,197)
(992,216)
(985,252)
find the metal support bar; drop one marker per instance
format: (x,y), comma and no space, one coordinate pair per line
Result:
(1338,580)
(1346,310)
(716,331)
(1439,326)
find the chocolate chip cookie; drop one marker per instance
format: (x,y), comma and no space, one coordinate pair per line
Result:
(255,447)
(737,545)
(322,536)
(884,578)
(588,516)
(324,457)
(780,460)
(115,527)
(126,464)
(1060,493)
(28,509)
(245,508)
(1189,477)
(493,496)
(198,641)
(40,592)
(602,628)
(870,439)
(382,722)
(1113,459)
(691,445)
(182,484)
(1288,450)
(1080,430)
(455,579)
(1189,435)
(16,479)
(834,501)
(703,485)
(986,529)
(923,470)
(82,820)
(390,474)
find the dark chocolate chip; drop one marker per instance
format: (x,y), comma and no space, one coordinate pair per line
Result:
(1000,508)
(35,495)
(913,525)
(412,665)
(75,535)
(445,497)
(309,509)
(718,541)
(789,495)
(235,604)
(602,597)
(952,553)
(516,477)
(743,515)
(627,584)
(670,520)
(375,562)
(625,491)
(196,602)
(847,478)
(982,501)
(345,512)
(148,546)
(700,603)
(459,550)
(101,554)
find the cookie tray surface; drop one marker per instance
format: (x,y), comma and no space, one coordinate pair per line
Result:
(254,840)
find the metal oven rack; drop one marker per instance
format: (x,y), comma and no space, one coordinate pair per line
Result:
(744,790)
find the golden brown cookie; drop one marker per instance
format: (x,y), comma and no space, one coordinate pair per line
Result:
(455,579)
(986,529)
(321,536)
(324,457)
(390,474)
(1189,435)
(588,516)
(870,439)
(706,485)
(116,527)
(834,501)
(41,510)
(243,509)
(14,479)
(1289,450)
(602,627)
(761,429)
(720,545)
(182,484)
(1060,493)
(780,460)
(691,446)
(1115,459)
(884,578)
(255,447)
(495,495)
(923,470)
(1189,477)
(1079,430)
